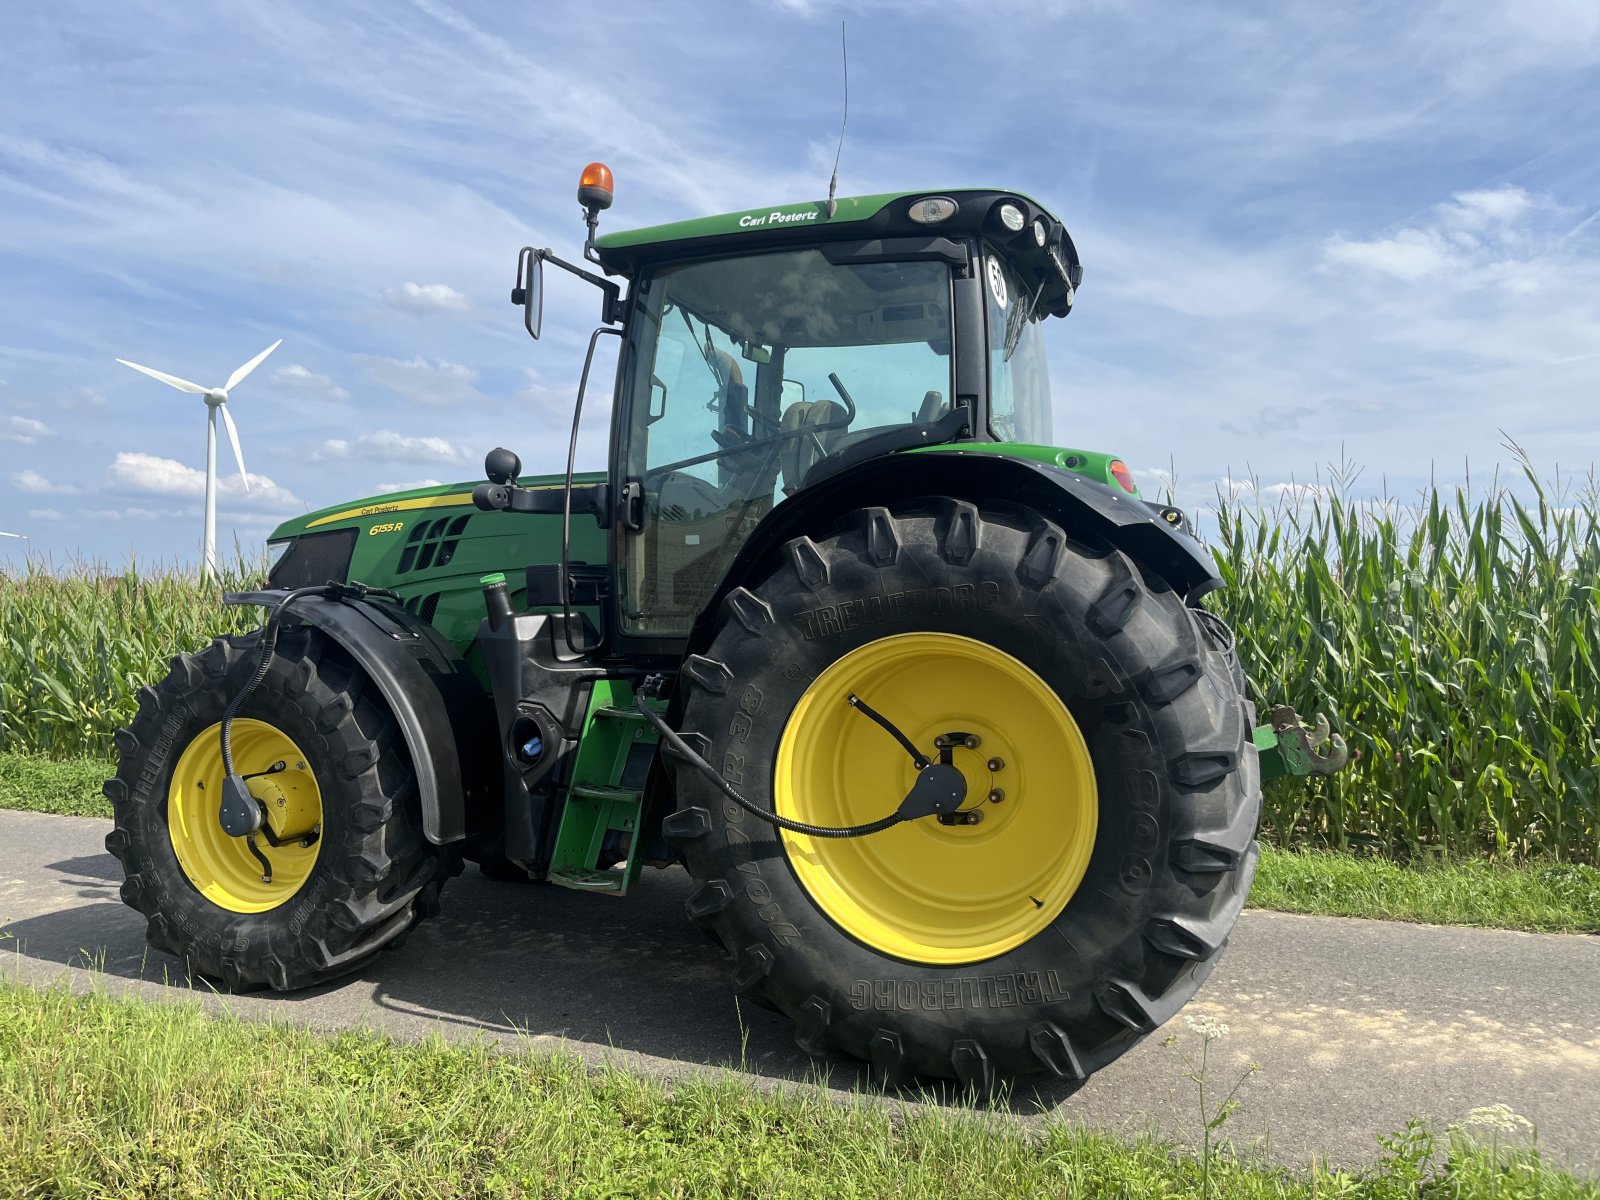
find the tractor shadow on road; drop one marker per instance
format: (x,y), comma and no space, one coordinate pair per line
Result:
(519,963)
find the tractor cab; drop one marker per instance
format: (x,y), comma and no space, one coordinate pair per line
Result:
(766,351)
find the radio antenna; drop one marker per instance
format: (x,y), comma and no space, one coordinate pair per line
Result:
(833,183)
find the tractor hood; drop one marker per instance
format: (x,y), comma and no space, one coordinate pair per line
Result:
(431,545)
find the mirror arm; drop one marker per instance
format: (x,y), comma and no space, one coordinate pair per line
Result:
(612,309)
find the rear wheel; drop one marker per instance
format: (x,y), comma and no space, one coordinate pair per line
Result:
(320,750)
(1105,846)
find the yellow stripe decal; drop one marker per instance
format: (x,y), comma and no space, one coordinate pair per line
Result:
(377,510)
(453,500)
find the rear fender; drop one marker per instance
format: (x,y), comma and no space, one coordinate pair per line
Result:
(443,712)
(1083,507)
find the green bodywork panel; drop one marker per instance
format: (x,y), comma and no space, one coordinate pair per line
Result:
(422,519)
(1091,464)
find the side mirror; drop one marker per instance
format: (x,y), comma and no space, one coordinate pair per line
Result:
(529,289)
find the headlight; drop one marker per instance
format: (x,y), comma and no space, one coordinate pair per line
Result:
(930,210)
(1012,217)
(1040,233)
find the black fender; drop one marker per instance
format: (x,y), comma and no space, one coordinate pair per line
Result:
(1079,505)
(443,712)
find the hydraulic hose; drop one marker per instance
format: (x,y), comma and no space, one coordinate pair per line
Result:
(727,789)
(269,644)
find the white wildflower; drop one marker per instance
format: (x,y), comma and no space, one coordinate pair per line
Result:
(1207,1027)
(1500,1119)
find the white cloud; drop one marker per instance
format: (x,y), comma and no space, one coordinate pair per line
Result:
(156,476)
(439,383)
(382,488)
(1410,255)
(29,480)
(44,514)
(389,446)
(24,430)
(427,298)
(296,378)
(1472,231)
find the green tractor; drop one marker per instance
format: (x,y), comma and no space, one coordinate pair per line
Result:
(965,778)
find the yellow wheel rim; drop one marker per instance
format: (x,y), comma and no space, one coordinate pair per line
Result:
(222,868)
(925,891)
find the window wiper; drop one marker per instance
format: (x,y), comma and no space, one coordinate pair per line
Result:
(1018,320)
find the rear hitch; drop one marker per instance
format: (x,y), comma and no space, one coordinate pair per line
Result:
(1289,747)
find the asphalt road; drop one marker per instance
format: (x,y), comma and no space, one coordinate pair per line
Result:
(1357,1025)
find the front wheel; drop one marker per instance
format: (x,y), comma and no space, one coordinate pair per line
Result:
(1105,846)
(351,871)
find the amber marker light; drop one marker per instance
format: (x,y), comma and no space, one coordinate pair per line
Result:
(1120,472)
(595,187)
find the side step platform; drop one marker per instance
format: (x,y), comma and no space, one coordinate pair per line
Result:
(600,821)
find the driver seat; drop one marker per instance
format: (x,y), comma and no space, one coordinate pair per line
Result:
(801,451)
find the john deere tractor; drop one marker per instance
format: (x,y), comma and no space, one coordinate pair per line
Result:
(964,776)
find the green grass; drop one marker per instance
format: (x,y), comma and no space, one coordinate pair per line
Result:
(70,788)
(121,1097)
(1553,897)
(1548,897)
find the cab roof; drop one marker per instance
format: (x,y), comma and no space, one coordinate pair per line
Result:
(860,218)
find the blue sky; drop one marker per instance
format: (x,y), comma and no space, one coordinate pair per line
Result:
(1307,229)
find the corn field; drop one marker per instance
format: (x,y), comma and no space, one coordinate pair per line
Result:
(75,648)
(1454,641)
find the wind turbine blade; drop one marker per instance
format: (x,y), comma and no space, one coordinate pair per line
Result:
(238,376)
(23,536)
(183,385)
(233,436)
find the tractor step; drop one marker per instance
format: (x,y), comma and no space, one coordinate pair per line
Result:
(611,712)
(598,791)
(585,880)
(600,820)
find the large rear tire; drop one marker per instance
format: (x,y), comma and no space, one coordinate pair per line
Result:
(355,871)
(1116,781)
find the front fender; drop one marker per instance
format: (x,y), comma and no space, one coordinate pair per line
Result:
(444,714)
(1080,506)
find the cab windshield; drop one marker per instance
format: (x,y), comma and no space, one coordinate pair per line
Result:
(1019,377)
(748,372)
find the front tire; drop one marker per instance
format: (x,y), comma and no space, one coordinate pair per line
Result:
(357,874)
(1095,896)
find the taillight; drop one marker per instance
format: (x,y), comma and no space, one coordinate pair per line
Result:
(1120,472)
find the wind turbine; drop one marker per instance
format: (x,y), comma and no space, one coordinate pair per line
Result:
(23,536)
(216,402)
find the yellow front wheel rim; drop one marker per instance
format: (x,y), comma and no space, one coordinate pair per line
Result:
(925,891)
(222,868)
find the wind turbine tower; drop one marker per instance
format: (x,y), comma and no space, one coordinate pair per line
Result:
(216,402)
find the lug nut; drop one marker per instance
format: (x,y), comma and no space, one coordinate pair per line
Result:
(996,795)
(972,741)
(972,818)
(997,764)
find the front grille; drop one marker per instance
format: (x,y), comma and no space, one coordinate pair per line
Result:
(314,558)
